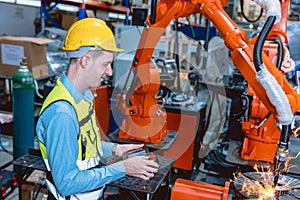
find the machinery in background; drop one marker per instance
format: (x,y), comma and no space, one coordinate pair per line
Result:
(167,69)
(137,106)
(170,93)
(255,64)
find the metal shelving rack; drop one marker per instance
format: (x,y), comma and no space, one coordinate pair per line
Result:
(46,8)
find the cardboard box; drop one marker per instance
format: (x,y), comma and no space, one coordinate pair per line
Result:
(111,2)
(13,49)
(67,20)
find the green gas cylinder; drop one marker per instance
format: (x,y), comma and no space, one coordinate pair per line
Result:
(23,110)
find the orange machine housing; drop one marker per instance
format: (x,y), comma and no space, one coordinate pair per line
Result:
(182,149)
(144,119)
(102,107)
(260,140)
(185,189)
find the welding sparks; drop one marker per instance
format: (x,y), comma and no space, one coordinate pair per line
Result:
(291,158)
(259,185)
(296,132)
(256,188)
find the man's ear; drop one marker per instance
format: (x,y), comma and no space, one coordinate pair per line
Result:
(84,61)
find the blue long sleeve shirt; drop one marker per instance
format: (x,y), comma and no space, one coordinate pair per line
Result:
(58,129)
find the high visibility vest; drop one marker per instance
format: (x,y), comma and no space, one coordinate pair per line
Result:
(89,142)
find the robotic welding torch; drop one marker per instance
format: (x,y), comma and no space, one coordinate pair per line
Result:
(281,155)
(277,97)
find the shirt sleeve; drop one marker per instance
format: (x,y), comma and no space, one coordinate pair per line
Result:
(60,138)
(107,148)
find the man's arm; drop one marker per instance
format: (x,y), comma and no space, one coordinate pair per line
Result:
(60,131)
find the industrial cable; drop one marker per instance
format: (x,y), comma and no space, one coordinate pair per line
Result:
(191,27)
(246,18)
(277,97)
(176,52)
(280,53)
(206,41)
(132,87)
(285,136)
(263,121)
(217,157)
(124,90)
(39,185)
(37,89)
(273,90)
(207,22)
(12,197)
(153,11)
(34,197)
(245,106)
(258,47)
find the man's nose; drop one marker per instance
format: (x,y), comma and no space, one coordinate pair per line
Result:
(109,70)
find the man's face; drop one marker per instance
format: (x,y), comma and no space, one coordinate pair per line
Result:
(100,67)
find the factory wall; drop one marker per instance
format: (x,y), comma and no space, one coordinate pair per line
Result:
(17,20)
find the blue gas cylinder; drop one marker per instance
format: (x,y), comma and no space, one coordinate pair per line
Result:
(23,110)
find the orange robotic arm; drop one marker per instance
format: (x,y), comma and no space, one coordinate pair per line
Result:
(260,129)
(144,119)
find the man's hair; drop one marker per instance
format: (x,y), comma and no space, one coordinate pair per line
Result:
(73,61)
(94,54)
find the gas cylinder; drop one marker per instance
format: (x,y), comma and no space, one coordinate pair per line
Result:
(23,110)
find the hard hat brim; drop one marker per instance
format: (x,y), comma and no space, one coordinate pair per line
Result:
(83,50)
(115,49)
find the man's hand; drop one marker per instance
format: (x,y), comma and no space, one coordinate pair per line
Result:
(123,148)
(141,167)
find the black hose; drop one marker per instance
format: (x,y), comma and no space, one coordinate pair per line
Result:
(153,11)
(176,52)
(207,22)
(246,18)
(132,87)
(280,53)
(285,136)
(258,47)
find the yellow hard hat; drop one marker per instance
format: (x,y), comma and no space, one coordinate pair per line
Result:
(90,32)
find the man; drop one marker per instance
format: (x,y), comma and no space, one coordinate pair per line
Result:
(68,135)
